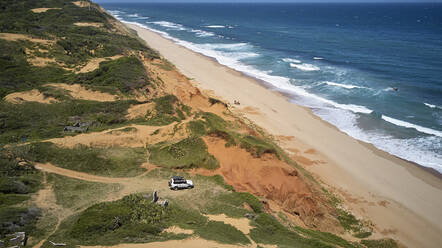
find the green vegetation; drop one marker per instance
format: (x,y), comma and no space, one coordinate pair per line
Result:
(257,147)
(113,162)
(187,153)
(196,128)
(223,233)
(17,181)
(31,120)
(380,243)
(121,75)
(165,109)
(325,237)
(76,194)
(135,219)
(232,204)
(74,45)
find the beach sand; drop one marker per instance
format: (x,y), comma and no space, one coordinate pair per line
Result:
(402,200)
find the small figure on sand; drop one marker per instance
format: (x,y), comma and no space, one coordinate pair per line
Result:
(236,102)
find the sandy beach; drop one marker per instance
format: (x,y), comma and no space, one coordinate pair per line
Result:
(402,200)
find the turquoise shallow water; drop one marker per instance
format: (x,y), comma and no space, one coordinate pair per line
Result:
(372,70)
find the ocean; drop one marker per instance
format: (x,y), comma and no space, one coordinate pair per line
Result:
(372,70)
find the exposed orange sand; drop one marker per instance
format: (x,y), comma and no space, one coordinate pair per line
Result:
(272,179)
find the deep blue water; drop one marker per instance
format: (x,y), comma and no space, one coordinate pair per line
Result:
(342,60)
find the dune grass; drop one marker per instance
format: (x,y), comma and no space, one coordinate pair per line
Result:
(76,194)
(187,153)
(112,162)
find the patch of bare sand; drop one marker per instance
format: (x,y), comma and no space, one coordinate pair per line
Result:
(274,180)
(41,62)
(140,110)
(178,230)
(93,64)
(194,242)
(140,136)
(242,224)
(41,10)
(17,37)
(89,24)
(79,92)
(82,4)
(29,96)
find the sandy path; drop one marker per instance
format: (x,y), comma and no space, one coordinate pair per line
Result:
(361,171)
(79,175)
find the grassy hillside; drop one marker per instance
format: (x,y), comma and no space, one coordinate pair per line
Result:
(92,121)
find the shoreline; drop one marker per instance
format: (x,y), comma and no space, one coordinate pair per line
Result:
(352,167)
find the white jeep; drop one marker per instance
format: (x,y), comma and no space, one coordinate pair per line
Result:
(178,182)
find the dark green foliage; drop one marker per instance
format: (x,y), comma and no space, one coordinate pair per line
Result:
(216,101)
(77,42)
(33,120)
(14,219)
(131,217)
(214,122)
(349,221)
(135,219)
(165,110)
(362,235)
(257,146)
(269,231)
(73,46)
(165,105)
(232,204)
(197,128)
(124,74)
(224,233)
(12,199)
(325,237)
(16,74)
(188,153)
(114,162)
(380,243)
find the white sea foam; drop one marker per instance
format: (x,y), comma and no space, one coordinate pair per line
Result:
(230,47)
(341,115)
(318,58)
(290,60)
(170,25)
(215,26)
(347,86)
(305,67)
(410,125)
(202,33)
(420,150)
(432,106)
(133,15)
